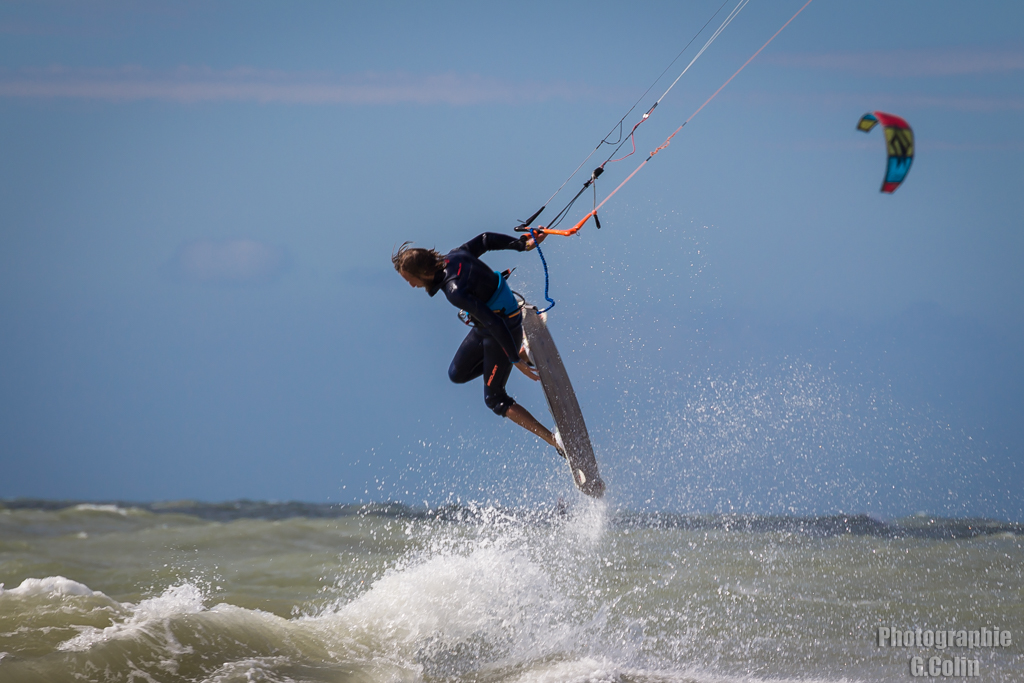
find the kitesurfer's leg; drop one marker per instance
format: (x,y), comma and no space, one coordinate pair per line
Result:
(468,363)
(497,369)
(522,417)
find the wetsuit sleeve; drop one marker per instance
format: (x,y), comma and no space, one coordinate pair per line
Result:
(493,241)
(494,325)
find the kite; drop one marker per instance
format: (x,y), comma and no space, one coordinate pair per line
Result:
(899,143)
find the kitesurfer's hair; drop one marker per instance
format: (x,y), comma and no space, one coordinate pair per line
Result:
(423,263)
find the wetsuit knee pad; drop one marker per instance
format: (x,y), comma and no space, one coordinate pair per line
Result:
(499,403)
(457,374)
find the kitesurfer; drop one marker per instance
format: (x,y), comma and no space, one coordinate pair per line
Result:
(494,345)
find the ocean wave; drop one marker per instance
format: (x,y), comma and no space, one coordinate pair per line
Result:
(582,593)
(169,636)
(50,586)
(482,601)
(109,508)
(148,619)
(444,608)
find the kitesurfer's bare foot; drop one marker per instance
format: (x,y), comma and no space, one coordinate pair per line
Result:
(525,355)
(559,446)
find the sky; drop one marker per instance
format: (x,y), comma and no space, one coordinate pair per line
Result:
(198,202)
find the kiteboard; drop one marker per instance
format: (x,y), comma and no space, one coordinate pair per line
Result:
(565,409)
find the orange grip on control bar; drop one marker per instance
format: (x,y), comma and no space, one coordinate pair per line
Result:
(571,231)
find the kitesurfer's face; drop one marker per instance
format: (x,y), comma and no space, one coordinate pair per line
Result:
(414,280)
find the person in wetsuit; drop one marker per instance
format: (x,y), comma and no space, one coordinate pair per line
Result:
(493,346)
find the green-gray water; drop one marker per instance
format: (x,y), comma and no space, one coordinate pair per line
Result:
(263,592)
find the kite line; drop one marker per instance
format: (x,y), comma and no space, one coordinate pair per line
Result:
(525,226)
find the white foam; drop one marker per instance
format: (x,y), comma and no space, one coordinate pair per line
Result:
(457,611)
(252,669)
(112,509)
(453,595)
(147,618)
(496,596)
(50,586)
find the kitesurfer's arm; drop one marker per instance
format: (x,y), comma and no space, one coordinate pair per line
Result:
(490,320)
(495,241)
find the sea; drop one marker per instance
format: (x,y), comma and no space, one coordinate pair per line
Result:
(576,591)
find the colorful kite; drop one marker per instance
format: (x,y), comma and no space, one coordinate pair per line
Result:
(899,143)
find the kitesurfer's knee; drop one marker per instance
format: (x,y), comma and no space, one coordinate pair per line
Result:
(499,403)
(461,370)
(456,375)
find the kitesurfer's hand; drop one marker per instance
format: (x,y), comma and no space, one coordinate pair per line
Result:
(527,370)
(532,243)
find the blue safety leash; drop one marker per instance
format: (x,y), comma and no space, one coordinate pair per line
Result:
(544,262)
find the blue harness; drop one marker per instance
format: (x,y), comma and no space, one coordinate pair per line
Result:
(503,301)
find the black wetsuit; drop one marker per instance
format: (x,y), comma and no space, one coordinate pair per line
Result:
(492,346)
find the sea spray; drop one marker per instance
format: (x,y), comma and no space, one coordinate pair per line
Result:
(483,595)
